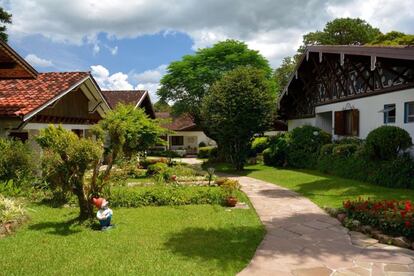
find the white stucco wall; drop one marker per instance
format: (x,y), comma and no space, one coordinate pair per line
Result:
(369,115)
(200,137)
(369,107)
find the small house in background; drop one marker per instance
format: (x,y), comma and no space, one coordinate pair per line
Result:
(138,98)
(351,90)
(186,136)
(30,101)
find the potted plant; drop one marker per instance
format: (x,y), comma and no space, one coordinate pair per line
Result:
(230,187)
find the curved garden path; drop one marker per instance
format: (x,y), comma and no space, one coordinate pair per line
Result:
(302,239)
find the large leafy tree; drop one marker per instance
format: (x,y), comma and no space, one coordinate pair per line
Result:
(393,38)
(5,18)
(343,31)
(282,74)
(238,106)
(340,31)
(162,106)
(187,81)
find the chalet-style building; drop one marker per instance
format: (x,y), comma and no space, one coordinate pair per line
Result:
(30,101)
(186,136)
(351,90)
(138,98)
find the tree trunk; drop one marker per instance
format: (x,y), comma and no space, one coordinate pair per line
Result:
(85,206)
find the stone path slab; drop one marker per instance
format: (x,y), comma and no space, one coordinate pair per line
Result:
(302,239)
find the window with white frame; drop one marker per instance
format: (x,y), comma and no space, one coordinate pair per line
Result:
(409,112)
(389,113)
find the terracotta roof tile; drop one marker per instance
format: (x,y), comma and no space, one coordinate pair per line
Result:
(114,97)
(21,96)
(179,123)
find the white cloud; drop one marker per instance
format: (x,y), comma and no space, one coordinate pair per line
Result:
(117,81)
(37,61)
(274,27)
(149,80)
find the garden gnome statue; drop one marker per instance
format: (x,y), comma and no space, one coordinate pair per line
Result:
(104,214)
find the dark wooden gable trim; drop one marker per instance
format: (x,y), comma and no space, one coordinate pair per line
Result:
(337,77)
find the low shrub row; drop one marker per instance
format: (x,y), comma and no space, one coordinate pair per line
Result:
(391,217)
(161,195)
(207,152)
(380,159)
(298,148)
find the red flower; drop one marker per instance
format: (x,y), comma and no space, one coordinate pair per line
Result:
(407,205)
(403,213)
(407,224)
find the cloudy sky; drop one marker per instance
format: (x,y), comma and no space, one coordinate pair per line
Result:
(127,44)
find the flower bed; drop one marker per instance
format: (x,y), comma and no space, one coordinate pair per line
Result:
(391,217)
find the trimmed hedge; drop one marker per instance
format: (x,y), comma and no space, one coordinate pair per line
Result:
(386,142)
(379,160)
(166,195)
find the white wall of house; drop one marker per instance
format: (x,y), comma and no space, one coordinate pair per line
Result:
(192,139)
(369,108)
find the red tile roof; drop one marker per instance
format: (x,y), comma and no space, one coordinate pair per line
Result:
(21,96)
(123,96)
(183,122)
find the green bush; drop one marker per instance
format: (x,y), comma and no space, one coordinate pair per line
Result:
(344,150)
(276,154)
(304,146)
(16,161)
(207,152)
(157,168)
(164,153)
(259,144)
(144,163)
(166,195)
(386,142)
(397,173)
(349,140)
(202,144)
(326,150)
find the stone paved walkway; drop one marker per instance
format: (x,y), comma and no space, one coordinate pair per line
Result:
(302,239)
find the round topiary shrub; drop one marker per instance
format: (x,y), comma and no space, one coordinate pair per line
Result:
(305,145)
(386,142)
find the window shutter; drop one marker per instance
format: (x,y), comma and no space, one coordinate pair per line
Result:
(405,113)
(355,122)
(339,123)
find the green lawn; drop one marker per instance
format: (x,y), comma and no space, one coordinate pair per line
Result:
(324,190)
(185,240)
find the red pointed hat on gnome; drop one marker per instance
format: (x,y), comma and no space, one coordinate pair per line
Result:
(99,202)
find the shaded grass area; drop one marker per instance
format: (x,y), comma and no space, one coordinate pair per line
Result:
(324,190)
(185,240)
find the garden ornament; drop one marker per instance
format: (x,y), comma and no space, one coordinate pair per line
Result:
(104,214)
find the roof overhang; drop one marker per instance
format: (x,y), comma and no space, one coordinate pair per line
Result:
(395,52)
